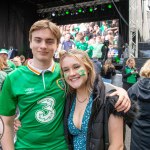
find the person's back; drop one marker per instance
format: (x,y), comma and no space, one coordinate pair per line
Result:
(107,71)
(140,92)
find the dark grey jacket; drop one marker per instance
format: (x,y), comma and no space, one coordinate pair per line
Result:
(140,130)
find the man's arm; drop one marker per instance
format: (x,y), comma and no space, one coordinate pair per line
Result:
(7,140)
(123,103)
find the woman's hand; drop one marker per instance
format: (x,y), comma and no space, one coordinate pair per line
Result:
(123,103)
(17,124)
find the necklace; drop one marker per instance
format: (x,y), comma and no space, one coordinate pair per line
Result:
(81,101)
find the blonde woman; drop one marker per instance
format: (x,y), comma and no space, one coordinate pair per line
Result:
(84,111)
(129,74)
(140,92)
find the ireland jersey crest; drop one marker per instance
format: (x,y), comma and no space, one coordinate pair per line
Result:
(61,83)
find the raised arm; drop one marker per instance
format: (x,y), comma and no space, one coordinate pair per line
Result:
(115,132)
(7,140)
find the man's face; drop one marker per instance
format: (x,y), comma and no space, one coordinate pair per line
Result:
(43,45)
(67,37)
(17,61)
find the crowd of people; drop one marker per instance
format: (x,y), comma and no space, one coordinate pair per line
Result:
(71,104)
(96,38)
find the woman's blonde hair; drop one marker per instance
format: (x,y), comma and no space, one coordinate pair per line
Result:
(130,59)
(45,24)
(1,64)
(145,70)
(84,58)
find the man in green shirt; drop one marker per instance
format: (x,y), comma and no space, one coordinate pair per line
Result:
(37,90)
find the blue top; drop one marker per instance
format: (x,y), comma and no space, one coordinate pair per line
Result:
(80,135)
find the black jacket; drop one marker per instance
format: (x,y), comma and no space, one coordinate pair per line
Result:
(97,137)
(140,130)
(110,72)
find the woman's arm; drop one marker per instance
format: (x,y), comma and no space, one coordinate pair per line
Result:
(115,130)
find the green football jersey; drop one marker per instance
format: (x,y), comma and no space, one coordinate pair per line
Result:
(40,98)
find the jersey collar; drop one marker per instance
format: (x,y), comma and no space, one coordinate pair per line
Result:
(39,71)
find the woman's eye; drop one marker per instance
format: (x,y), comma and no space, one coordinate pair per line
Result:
(65,70)
(76,67)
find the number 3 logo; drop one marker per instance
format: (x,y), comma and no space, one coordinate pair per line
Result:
(47,113)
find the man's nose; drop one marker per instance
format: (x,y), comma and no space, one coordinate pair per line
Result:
(43,44)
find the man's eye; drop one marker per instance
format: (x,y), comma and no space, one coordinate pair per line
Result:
(49,42)
(38,41)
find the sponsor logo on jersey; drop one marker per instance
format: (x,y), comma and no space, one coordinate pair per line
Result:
(61,83)
(29,90)
(47,112)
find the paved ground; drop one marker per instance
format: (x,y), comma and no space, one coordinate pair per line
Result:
(118,82)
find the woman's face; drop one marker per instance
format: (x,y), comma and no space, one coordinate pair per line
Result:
(131,63)
(75,72)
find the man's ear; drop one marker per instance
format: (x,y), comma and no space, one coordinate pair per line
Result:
(30,44)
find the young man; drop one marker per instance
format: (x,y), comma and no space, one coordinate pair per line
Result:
(38,91)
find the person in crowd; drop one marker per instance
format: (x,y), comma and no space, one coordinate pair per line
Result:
(17,62)
(67,43)
(129,74)
(140,92)
(4,54)
(97,51)
(103,28)
(40,97)
(6,68)
(23,59)
(82,45)
(110,37)
(2,73)
(108,71)
(114,26)
(90,48)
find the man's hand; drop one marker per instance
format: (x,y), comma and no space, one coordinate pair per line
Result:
(123,103)
(17,124)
